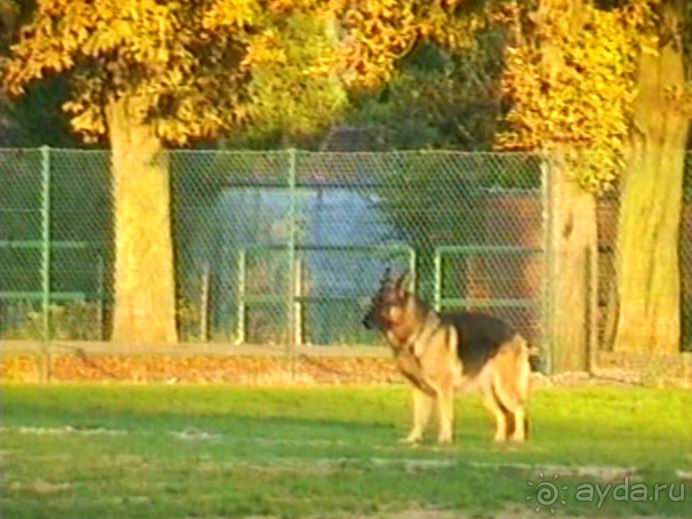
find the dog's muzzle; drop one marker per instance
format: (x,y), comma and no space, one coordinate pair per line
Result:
(369,321)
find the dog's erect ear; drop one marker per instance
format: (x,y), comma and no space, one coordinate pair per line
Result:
(386,278)
(403,283)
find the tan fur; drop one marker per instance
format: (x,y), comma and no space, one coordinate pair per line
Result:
(504,383)
(426,352)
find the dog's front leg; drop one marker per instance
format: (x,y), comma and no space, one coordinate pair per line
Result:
(445,407)
(422,407)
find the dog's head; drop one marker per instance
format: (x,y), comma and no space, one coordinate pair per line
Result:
(392,305)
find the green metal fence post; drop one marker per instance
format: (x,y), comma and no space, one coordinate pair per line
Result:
(437,297)
(204,304)
(298,302)
(100,294)
(292,321)
(45,239)
(45,261)
(412,259)
(548,292)
(240,318)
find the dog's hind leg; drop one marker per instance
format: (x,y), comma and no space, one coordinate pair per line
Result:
(509,379)
(523,390)
(509,398)
(493,405)
(524,368)
(422,409)
(510,419)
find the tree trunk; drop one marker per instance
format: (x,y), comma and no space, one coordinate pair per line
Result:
(572,271)
(9,16)
(571,223)
(144,276)
(647,259)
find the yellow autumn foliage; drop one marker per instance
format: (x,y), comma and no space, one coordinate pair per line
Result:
(378,33)
(214,64)
(584,107)
(155,51)
(190,64)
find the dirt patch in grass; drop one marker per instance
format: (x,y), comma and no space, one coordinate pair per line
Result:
(55,431)
(514,512)
(39,487)
(195,435)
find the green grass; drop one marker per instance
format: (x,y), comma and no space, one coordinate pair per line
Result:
(174,451)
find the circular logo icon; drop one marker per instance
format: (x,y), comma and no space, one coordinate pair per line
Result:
(546,493)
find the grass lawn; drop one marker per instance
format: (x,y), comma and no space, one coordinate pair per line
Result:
(93,451)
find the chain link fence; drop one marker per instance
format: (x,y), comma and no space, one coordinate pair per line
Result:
(295,242)
(55,243)
(284,246)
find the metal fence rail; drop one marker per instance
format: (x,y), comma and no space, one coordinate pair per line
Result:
(278,246)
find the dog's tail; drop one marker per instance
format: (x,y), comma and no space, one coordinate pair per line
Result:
(535,358)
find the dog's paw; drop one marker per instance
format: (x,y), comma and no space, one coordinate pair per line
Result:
(445,440)
(412,439)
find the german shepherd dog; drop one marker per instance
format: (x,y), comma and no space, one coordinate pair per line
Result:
(439,353)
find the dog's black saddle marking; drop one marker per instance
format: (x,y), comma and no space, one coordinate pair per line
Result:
(480,336)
